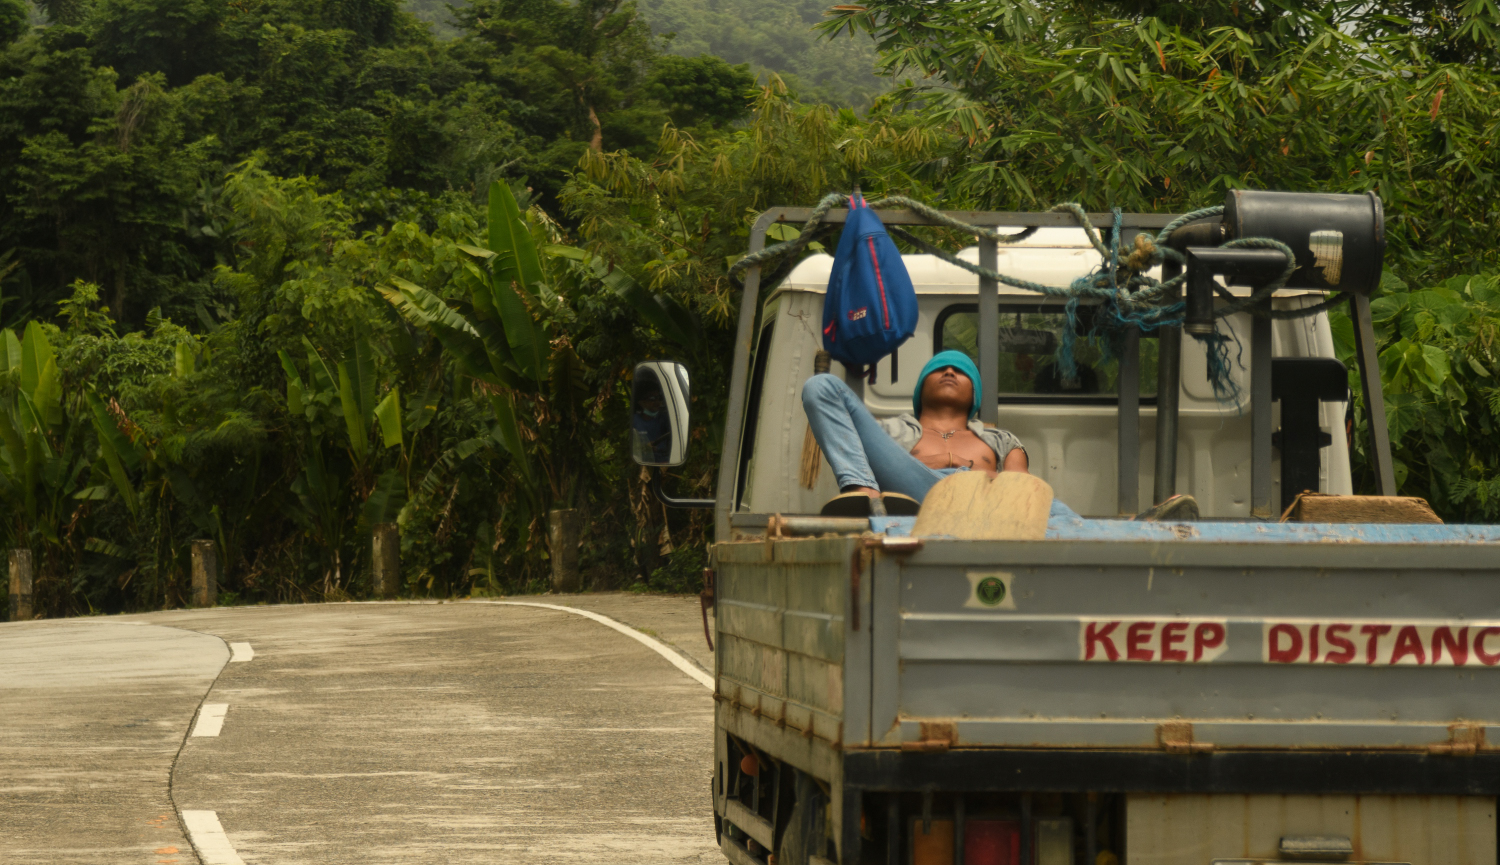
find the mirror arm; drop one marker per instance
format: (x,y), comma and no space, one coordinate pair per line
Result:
(670,502)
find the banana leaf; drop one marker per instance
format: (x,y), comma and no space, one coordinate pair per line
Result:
(388,413)
(449,461)
(509,431)
(527,341)
(316,366)
(456,333)
(35,352)
(354,421)
(116,449)
(293,384)
(46,397)
(511,242)
(386,500)
(11,356)
(185,359)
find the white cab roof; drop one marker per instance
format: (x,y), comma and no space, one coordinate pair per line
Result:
(1051,256)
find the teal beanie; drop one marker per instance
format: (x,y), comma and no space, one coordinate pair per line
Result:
(959,361)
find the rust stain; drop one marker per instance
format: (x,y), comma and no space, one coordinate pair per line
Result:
(1464,740)
(935,736)
(1177,737)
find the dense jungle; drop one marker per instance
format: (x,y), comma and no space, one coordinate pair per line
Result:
(273,272)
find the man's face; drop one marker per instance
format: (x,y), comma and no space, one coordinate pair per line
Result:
(652,402)
(948,387)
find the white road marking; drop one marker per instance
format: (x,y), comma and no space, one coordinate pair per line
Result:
(656,646)
(208,837)
(210,722)
(241,652)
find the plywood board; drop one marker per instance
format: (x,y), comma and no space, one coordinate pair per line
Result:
(1012,506)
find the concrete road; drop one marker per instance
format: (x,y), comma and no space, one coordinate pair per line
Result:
(92,714)
(369,733)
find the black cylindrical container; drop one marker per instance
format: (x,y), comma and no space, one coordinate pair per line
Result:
(1339,240)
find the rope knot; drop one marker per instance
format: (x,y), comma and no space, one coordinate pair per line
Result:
(1144,256)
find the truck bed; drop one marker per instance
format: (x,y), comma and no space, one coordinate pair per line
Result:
(1146,666)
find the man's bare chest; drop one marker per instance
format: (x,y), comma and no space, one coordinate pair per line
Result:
(953,449)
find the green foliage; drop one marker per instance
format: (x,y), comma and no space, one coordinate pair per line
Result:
(14,20)
(274,272)
(773,37)
(1152,107)
(1440,368)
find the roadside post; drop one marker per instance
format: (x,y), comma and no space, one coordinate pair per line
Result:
(563,528)
(20,585)
(205,574)
(387,560)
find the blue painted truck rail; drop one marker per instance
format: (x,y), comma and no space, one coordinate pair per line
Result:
(1066,525)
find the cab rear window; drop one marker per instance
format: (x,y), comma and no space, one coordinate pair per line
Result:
(1029,337)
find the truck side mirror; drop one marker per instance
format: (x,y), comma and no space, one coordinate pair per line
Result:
(659,413)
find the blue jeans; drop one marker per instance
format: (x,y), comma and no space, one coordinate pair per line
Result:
(860,452)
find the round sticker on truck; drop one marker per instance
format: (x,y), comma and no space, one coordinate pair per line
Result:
(990,590)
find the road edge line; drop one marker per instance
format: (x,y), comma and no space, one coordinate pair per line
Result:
(692,670)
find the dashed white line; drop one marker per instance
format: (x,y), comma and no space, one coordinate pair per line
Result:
(240,653)
(210,722)
(208,837)
(656,646)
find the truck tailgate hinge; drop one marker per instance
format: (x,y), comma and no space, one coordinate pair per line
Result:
(706,603)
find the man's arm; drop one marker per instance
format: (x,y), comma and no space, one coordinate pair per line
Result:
(1015,461)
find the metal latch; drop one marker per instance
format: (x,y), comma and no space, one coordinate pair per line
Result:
(1318,848)
(1301,849)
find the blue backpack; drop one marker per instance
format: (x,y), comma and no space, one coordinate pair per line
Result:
(871,307)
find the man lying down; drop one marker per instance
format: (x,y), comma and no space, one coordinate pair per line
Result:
(887,466)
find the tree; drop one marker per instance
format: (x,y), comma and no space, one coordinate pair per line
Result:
(1162,107)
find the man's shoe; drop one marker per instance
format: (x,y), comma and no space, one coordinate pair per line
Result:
(1177,509)
(897,505)
(859,504)
(855,504)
